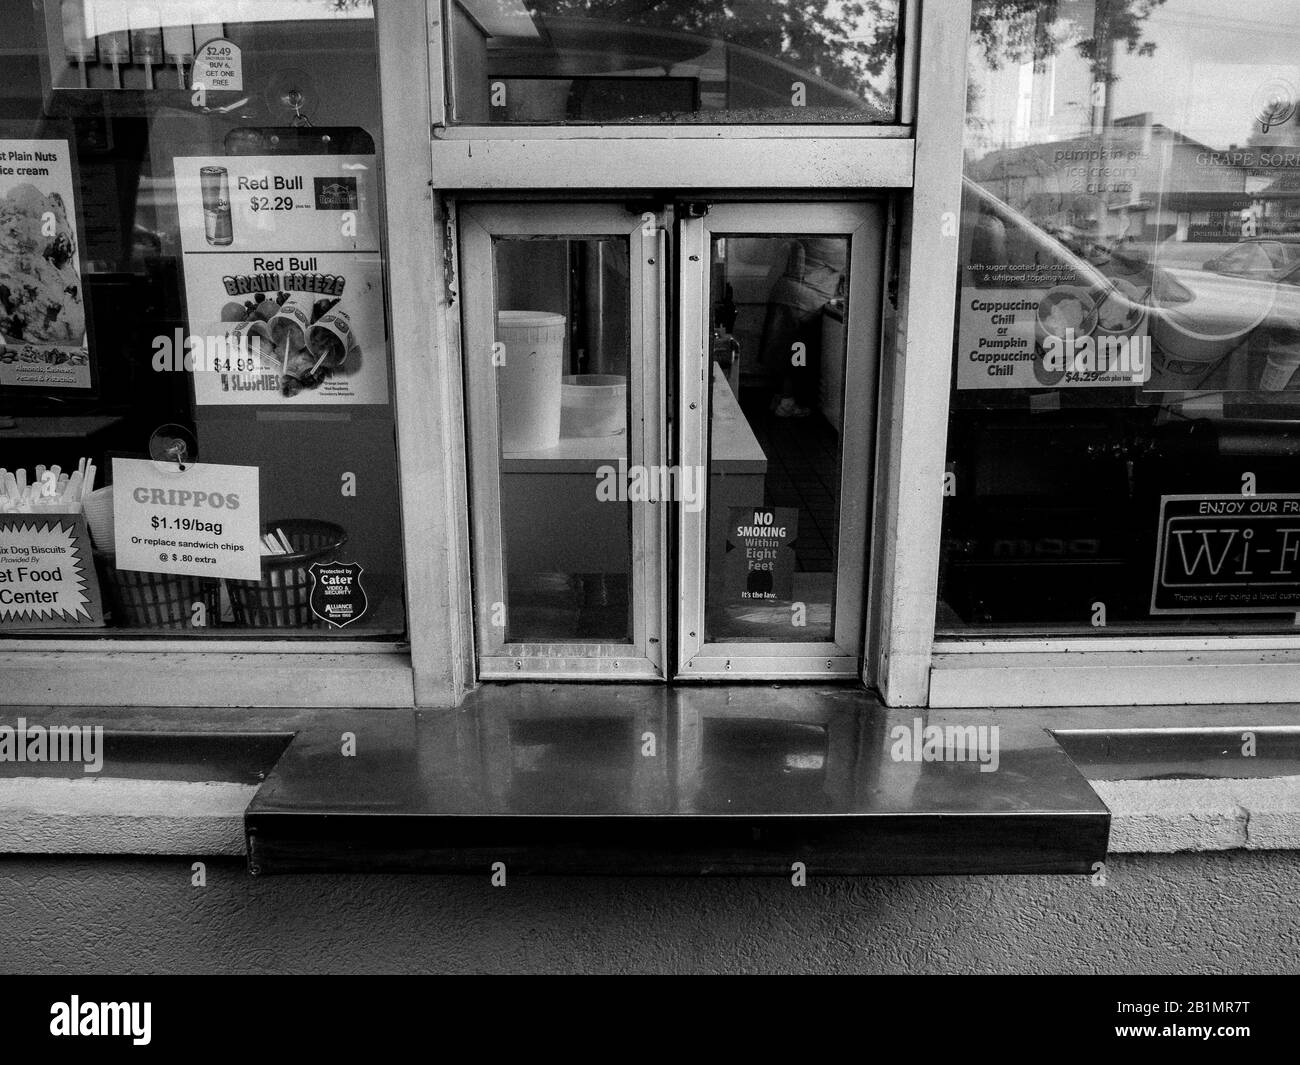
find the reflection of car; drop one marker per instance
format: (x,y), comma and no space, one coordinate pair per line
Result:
(1203,314)
(1265,258)
(1198,313)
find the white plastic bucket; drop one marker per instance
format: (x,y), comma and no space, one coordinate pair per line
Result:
(528,380)
(98,508)
(593,404)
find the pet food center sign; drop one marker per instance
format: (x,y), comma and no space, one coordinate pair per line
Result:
(47,573)
(283,281)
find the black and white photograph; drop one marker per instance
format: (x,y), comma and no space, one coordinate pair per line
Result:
(650,487)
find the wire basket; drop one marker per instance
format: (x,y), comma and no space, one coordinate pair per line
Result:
(157,600)
(281,599)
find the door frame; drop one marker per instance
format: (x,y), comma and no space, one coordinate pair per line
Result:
(864,223)
(643,657)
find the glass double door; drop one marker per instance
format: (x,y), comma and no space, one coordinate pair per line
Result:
(670,413)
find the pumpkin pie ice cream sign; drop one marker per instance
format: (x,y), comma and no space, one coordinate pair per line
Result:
(42,306)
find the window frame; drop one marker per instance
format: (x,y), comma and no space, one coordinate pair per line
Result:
(919,163)
(984,670)
(426,667)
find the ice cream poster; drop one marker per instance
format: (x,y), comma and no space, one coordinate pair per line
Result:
(283,281)
(42,300)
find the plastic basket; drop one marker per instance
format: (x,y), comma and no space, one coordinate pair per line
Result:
(281,599)
(157,600)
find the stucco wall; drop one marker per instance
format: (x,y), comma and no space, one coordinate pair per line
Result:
(1232,911)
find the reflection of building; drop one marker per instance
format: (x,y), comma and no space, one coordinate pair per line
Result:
(1144,181)
(1140,180)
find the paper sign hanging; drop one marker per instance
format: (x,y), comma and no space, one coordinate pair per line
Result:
(202,521)
(283,281)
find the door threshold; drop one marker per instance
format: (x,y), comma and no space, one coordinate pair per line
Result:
(736,780)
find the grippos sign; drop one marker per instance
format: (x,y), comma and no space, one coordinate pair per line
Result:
(1228,554)
(202,520)
(760,554)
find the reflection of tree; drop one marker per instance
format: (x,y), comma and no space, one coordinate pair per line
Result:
(816,36)
(1014,32)
(1019,31)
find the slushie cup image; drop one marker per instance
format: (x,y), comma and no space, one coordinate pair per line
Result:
(329,343)
(1066,307)
(289,326)
(250,346)
(1121,310)
(1064,312)
(331,339)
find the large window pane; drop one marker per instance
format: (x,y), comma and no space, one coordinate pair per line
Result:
(591,61)
(192,300)
(777,409)
(563,341)
(1126,402)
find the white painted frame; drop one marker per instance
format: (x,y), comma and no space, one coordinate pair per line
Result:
(480,224)
(864,225)
(917,369)
(625,157)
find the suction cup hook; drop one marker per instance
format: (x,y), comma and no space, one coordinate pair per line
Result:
(173,447)
(293,90)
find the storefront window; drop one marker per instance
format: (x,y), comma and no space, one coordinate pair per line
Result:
(192,313)
(1126,401)
(532,62)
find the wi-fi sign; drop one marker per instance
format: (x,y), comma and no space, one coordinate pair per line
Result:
(1274,103)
